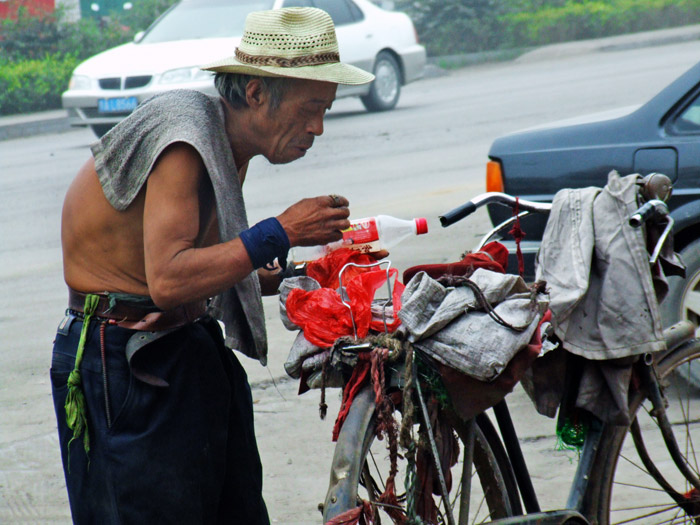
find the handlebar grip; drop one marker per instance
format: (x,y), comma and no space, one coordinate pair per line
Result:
(646,212)
(457,214)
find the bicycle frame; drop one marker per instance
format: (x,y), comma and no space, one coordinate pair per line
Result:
(584,486)
(579,487)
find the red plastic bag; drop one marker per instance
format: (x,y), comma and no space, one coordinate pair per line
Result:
(326,269)
(321,313)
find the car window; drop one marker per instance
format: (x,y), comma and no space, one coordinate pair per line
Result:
(689,120)
(207,19)
(340,10)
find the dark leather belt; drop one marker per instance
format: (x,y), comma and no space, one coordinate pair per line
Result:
(136,316)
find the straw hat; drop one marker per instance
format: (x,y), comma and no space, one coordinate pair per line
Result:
(297,42)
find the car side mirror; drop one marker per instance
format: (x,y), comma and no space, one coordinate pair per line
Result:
(139,36)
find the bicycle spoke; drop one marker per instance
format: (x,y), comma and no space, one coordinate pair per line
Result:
(634,464)
(655,513)
(655,489)
(378,470)
(685,411)
(675,517)
(666,506)
(486,518)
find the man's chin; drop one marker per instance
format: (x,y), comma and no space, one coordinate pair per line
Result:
(295,154)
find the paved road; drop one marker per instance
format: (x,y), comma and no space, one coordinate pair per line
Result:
(419,160)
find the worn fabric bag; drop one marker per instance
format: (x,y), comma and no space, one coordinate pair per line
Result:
(452,326)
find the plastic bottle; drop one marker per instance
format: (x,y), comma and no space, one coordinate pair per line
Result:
(366,235)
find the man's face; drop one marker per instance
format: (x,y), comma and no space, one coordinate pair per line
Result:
(291,128)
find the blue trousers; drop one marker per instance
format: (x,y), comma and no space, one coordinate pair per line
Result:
(182,453)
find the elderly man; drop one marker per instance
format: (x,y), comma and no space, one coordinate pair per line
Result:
(154,411)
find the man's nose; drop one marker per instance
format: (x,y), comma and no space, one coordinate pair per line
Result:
(315,126)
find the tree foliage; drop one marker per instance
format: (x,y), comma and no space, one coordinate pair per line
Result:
(463,26)
(454,26)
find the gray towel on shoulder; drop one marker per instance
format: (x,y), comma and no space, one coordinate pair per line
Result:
(124,158)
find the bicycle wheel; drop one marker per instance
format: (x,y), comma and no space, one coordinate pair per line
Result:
(361,465)
(626,488)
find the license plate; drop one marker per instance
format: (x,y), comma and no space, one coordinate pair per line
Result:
(117,105)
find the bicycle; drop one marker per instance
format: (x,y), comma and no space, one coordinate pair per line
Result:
(505,493)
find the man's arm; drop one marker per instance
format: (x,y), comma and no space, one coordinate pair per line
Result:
(178,201)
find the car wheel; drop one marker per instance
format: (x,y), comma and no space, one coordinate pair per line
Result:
(683,300)
(386,88)
(101,129)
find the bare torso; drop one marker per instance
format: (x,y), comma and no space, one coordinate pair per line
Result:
(103,248)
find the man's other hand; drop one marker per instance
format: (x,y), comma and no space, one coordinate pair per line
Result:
(318,220)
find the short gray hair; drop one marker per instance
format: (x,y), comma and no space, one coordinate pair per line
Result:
(231,86)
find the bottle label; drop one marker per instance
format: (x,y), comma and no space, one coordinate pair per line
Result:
(363,236)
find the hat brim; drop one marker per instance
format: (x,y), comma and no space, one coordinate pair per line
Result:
(336,72)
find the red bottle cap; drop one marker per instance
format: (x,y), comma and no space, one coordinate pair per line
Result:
(421,225)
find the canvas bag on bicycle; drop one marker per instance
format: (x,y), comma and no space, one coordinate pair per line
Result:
(480,337)
(604,296)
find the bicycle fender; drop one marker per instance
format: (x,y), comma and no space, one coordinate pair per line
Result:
(345,470)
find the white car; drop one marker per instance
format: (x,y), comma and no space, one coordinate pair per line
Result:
(107,87)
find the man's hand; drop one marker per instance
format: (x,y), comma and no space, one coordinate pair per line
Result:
(318,220)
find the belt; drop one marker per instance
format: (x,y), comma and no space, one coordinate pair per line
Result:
(135,316)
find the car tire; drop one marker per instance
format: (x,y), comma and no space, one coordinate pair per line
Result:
(683,300)
(101,129)
(386,88)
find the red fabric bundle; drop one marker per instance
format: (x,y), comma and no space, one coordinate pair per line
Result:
(493,256)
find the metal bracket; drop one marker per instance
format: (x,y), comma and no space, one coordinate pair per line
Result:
(388,302)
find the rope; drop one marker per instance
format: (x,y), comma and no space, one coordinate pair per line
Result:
(518,235)
(406,431)
(386,428)
(353,386)
(456,280)
(75,405)
(352,516)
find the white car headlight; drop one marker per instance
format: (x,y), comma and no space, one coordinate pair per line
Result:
(79,82)
(183,75)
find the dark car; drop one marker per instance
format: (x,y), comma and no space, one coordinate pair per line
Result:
(662,135)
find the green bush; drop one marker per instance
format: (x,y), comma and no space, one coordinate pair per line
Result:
(39,52)
(34,85)
(448,27)
(575,20)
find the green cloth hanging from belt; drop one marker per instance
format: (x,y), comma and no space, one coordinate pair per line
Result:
(76,410)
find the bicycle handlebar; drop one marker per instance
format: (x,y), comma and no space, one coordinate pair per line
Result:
(471,206)
(652,209)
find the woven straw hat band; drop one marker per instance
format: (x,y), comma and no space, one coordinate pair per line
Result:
(305,60)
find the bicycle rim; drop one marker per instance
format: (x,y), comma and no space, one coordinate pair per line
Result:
(628,489)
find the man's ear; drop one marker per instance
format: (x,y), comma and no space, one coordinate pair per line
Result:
(255,94)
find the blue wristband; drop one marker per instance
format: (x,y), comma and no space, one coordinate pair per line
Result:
(265,242)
